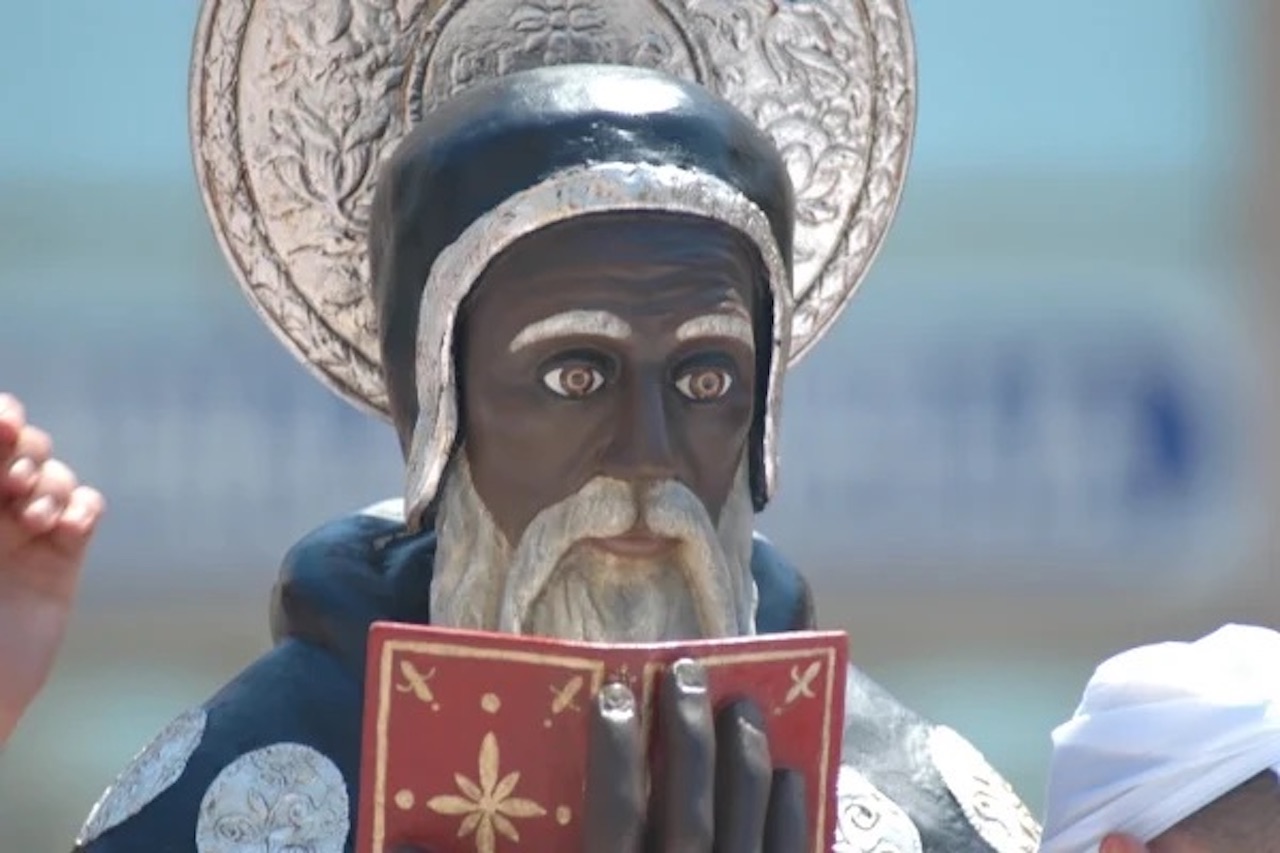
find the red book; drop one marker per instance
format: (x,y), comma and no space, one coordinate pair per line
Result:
(476,742)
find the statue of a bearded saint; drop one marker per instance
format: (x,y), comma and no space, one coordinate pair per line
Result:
(588,281)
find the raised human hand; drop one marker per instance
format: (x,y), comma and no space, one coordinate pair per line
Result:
(715,790)
(46,521)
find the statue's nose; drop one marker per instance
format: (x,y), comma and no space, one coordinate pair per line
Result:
(642,447)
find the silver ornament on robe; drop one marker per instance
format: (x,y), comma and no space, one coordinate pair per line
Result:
(869,822)
(282,797)
(989,803)
(151,772)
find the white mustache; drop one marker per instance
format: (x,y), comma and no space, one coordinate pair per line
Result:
(605,508)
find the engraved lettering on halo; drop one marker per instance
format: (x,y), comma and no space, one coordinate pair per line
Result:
(989,803)
(869,822)
(282,797)
(151,772)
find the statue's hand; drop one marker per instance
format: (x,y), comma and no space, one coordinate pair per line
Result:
(46,521)
(715,789)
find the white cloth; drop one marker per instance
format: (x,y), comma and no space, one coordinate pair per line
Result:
(1161,732)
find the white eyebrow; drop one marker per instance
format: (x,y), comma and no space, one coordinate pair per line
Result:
(732,326)
(600,324)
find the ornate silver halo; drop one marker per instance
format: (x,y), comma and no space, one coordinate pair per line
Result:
(296,103)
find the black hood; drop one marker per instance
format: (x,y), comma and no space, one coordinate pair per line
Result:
(501,137)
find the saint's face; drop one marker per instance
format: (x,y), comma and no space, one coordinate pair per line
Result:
(615,346)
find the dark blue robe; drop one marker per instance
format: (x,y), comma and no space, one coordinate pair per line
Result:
(271,762)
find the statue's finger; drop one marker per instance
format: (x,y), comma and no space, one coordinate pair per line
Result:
(615,802)
(685,799)
(744,771)
(787,825)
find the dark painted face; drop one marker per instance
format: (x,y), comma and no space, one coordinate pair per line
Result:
(615,345)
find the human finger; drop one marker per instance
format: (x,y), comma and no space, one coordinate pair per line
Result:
(48,498)
(12,419)
(14,536)
(615,802)
(744,771)
(685,810)
(20,469)
(78,521)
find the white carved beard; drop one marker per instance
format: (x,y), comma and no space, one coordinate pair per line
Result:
(547,586)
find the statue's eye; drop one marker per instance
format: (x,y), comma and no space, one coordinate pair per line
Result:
(574,381)
(702,384)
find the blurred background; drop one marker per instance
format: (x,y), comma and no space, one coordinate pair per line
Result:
(1042,433)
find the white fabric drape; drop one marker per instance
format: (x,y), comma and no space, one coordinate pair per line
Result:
(1161,732)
